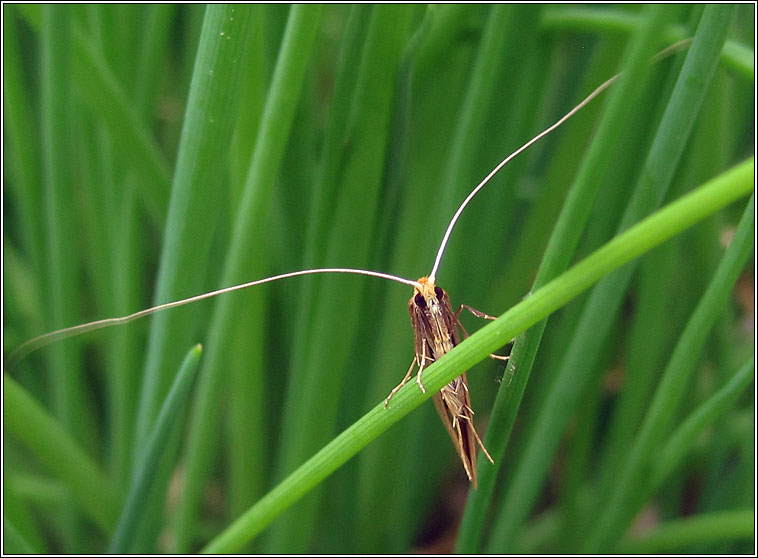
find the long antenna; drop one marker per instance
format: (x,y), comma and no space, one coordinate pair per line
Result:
(38,342)
(504,162)
(663,53)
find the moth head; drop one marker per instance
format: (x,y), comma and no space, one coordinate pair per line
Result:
(427,293)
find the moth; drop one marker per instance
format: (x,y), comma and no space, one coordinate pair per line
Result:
(435,333)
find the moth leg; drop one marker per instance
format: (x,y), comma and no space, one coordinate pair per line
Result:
(478,314)
(401,384)
(421,367)
(481,444)
(475,312)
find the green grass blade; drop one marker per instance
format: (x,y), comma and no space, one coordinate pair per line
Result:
(144,476)
(195,206)
(246,423)
(678,535)
(70,395)
(662,225)
(206,136)
(54,447)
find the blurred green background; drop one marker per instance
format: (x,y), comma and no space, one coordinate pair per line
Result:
(154,152)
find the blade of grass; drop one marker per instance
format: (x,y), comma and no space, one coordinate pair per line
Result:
(248,417)
(54,447)
(244,257)
(194,205)
(631,486)
(561,246)
(678,444)
(157,444)
(679,535)
(578,364)
(196,202)
(667,222)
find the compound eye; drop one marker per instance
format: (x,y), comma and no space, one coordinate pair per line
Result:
(420,302)
(439,293)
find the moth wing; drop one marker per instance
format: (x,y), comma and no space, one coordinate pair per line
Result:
(421,332)
(454,408)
